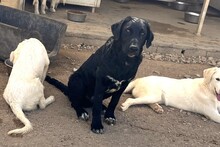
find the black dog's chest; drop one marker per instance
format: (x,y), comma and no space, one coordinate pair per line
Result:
(115,76)
(113,84)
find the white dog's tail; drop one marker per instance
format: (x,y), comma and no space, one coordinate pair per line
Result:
(20,115)
(130,87)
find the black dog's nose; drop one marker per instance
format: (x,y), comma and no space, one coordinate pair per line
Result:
(133,48)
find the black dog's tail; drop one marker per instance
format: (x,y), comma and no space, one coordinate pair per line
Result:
(59,85)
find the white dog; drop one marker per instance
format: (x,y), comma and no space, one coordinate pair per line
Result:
(25,90)
(53,5)
(200,95)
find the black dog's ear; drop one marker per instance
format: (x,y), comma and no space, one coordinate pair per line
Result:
(116,28)
(150,36)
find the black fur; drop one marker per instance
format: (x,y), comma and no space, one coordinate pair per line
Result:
(107,72)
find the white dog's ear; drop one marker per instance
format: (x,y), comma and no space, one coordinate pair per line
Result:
(12,56)
(208,73)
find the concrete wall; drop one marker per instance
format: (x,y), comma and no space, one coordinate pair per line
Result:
(11,3)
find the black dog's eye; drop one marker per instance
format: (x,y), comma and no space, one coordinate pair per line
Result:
(217,79)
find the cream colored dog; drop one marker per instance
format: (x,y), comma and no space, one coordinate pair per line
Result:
(200,95)
(53,5)
(25,90)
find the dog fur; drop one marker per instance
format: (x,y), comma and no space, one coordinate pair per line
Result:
(25,90)
(200,95)
(53,5)
(107,72)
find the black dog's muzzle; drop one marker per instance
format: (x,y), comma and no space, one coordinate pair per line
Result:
(133,49)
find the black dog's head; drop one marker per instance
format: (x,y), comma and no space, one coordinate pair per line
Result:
(132,33)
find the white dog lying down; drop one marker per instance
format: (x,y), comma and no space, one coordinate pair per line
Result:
(200,95)
(25,90)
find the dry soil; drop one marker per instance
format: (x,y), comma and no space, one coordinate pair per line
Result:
(58,125)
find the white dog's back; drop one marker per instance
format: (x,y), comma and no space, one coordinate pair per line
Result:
(168,91)
(24,90)
(200,95)
(152,83)
(30,52)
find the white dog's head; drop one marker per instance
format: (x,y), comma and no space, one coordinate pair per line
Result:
(212,79)
(14,55)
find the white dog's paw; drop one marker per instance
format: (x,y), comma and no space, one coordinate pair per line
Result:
(36,12)
(43,12)
(50,99)
(52,10)
(157,108)
(45,102)
(43,7)
(125,105)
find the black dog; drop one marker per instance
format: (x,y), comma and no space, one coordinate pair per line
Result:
(107,72)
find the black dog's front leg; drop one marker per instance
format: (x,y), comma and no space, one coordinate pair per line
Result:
(109,114)
(96,125)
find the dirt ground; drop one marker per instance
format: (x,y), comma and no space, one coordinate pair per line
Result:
(58,125)
(139,126)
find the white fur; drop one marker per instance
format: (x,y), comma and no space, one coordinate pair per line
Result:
(25,90)
(53,5)
(196,95)
(36,6)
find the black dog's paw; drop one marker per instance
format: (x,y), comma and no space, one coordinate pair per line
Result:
(98,129)
(110,121)
(84,116)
